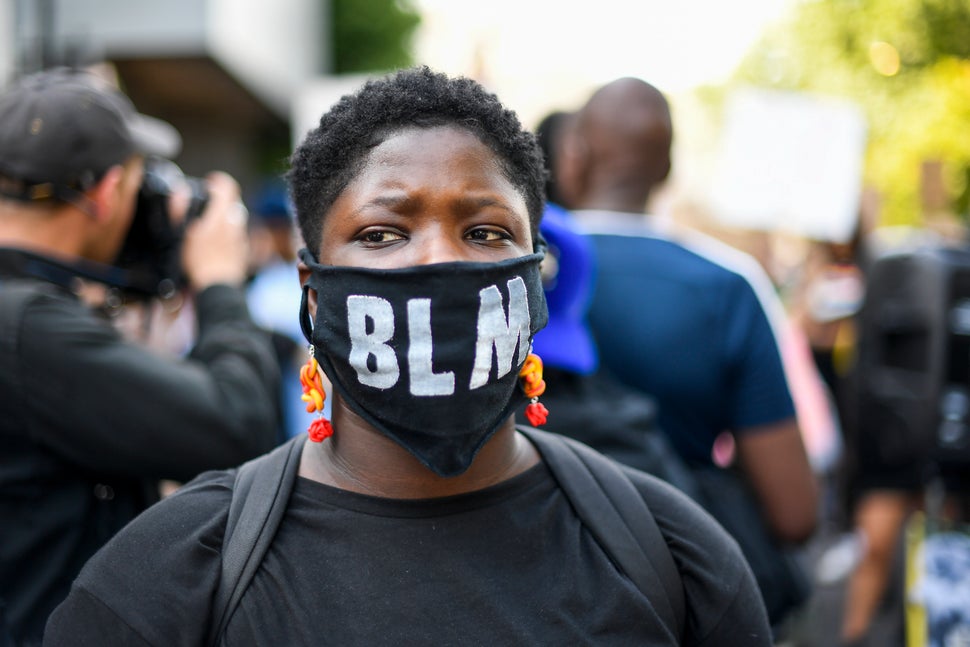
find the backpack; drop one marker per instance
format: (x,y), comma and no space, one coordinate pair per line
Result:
(620,422)
(616,420)
(603,497)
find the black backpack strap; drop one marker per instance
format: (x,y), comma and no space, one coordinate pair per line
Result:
(259,497)
(615,513)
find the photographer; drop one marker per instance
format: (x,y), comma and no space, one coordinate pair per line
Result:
(88,421)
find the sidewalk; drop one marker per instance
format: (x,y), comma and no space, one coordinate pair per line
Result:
(817,625)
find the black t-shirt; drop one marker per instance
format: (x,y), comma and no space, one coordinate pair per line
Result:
(507,565)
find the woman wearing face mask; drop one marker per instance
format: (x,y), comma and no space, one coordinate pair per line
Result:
(420,514)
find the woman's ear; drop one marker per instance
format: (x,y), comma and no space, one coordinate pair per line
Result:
(311,293)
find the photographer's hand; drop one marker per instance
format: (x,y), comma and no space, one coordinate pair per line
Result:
(216,247)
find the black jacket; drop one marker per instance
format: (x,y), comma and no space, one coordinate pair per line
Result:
(89,423)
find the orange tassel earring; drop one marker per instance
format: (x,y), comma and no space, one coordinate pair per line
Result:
(311,378)
(533,385)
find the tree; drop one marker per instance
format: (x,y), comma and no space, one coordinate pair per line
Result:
(906,63)
(372,35)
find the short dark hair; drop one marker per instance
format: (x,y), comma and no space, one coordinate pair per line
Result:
(333,153)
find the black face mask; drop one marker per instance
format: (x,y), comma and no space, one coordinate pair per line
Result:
(429,355)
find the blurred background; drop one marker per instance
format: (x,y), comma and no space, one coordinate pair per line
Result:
(888,79)
(801,125)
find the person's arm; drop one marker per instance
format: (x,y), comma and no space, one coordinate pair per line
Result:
(742,621)
(115,407)
(776,466)
(84,620)
(153,582)
(763,421)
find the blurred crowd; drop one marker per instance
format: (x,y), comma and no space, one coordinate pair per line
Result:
(814,402)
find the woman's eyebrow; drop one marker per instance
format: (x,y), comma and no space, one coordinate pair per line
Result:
(404,203)
(393,202)
(472,203)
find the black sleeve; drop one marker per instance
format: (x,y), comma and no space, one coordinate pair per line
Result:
(114,406)
(101,625)
(724,605)
(743,622)
(153,582)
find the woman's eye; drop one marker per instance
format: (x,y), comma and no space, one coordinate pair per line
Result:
(380,237)
(487,235)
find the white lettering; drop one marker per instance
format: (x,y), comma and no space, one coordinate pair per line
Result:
(424,381)
(363,345)
(497,332)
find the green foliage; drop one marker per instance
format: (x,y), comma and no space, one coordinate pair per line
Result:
(947,24)
(372,35)
(917,113)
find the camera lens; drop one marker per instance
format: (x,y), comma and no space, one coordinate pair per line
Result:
(152,249)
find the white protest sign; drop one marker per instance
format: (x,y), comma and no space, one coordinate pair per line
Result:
(791,162)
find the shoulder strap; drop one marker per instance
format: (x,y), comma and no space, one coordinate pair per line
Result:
(604,498)
(614,511)
(259,497)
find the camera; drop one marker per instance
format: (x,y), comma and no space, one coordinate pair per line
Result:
(151,254)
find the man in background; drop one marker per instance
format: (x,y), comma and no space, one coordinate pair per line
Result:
(684,319)
(88,421)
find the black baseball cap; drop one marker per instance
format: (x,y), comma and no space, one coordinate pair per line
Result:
(62,129)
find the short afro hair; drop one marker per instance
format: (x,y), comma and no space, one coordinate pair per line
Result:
(334,152)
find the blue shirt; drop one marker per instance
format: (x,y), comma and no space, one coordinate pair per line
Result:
(687,327)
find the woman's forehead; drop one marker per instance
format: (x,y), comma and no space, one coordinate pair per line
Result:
(419,179)
(441,139)
(442,158)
